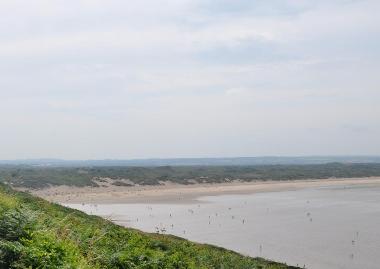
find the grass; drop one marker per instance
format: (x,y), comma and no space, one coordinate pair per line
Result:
(37,234)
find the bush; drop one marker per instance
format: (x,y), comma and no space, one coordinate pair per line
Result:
(9,253)
(44,250)
(15,224)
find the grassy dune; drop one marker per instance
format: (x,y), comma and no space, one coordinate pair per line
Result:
(39,177)
(37,234)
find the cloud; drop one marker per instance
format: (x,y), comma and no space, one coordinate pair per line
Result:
(188,78)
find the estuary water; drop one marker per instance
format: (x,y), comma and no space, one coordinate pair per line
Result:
(319,228)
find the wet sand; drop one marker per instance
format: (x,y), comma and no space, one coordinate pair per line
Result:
(326,226)
(176,193)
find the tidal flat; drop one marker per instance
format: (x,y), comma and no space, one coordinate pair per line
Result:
(320,226)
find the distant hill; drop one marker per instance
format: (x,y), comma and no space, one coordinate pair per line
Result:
(269,160)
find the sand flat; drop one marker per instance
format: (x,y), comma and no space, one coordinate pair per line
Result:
(330,226)
(177,193)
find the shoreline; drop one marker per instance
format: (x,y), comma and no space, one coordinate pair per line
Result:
(177,193)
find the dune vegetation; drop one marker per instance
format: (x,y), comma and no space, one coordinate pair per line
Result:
(40,177)
(37,234)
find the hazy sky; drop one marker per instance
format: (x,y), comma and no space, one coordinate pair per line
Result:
(188,78)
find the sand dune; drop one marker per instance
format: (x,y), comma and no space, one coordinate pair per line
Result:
(176,193)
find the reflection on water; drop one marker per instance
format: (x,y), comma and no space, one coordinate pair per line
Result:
(329,227)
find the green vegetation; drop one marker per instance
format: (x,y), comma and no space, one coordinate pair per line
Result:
(37,234)
(37,177)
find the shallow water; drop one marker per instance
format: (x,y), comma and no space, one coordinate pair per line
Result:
(321,228)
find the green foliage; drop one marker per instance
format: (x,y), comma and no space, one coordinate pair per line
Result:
(42,235)
(46,250)
(38,177)
(15,224)
(10,252)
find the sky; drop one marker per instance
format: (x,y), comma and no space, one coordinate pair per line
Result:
(120,79)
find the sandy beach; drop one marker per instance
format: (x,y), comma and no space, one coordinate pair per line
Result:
(176,193)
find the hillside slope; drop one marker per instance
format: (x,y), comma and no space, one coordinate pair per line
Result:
(37,234)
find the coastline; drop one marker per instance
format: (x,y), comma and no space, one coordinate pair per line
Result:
(176,193)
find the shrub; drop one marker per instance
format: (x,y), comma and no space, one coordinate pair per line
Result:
(15,224)
(9,253)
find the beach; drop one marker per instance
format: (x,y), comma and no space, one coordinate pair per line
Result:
(169,192)
(313,223)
